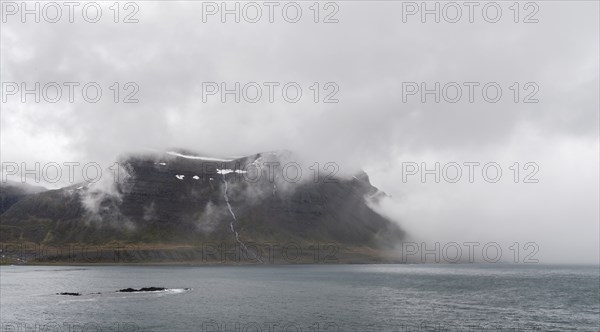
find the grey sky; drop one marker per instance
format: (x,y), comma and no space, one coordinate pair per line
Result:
(368,54)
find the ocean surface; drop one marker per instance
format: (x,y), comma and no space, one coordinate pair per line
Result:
(473,297)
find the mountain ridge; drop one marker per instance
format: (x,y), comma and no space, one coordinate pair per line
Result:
(183,198)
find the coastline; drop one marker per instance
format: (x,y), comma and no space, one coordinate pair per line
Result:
(211,254)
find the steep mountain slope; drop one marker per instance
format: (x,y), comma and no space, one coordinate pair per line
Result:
(179,198)
(11,192)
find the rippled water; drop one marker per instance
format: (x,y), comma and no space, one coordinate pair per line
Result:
(302,298)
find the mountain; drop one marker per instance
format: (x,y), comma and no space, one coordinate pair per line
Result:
(181,198)
(11,192)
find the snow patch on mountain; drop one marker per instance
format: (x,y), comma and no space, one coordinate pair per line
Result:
(177,154)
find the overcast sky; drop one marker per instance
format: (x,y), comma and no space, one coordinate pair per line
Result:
(367,54)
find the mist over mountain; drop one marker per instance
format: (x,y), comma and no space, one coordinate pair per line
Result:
(180,197)
(11,192)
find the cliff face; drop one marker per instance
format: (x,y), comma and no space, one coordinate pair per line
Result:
(174,198)
(12,192)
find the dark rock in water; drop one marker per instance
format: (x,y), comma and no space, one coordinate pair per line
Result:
(143,289)
(152,289)
(67,293)
(126,290)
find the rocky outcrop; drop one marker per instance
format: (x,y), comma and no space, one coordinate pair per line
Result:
(143,289)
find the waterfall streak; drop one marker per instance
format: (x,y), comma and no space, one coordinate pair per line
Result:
(237,236)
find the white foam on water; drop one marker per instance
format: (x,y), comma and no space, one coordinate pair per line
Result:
(178,290)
